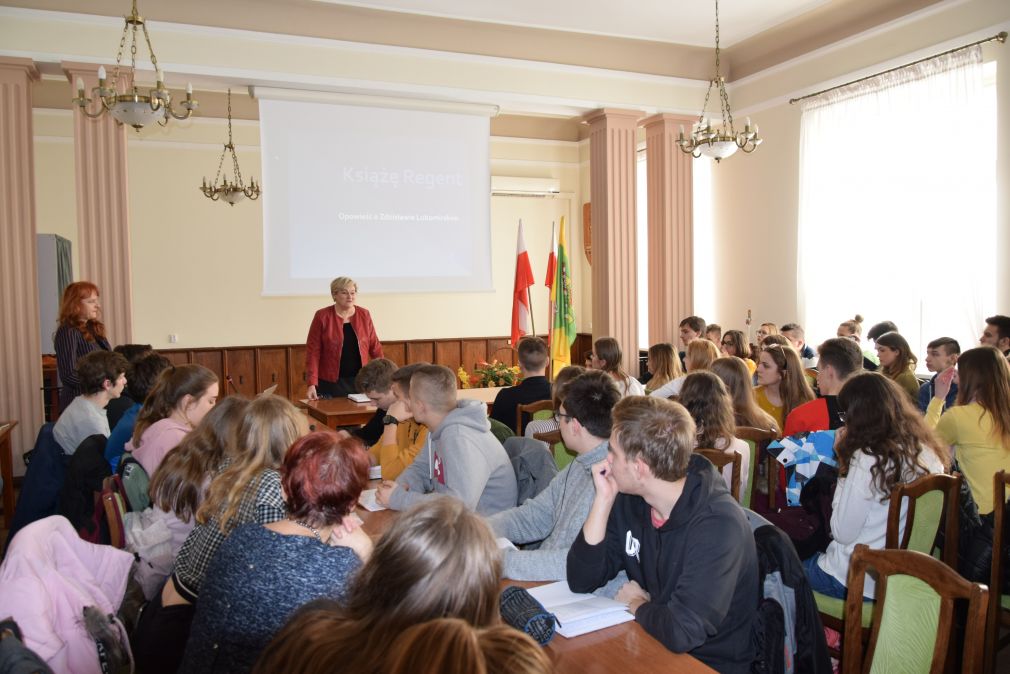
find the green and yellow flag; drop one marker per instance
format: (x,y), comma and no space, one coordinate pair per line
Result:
(563,320)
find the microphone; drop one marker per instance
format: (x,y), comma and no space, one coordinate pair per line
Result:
(232,383)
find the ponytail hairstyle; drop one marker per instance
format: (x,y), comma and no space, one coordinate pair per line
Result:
(70,310)
(854,326)
(172,385)
(177,485)
(271,424)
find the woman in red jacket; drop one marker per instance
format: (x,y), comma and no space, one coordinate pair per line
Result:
(341,340)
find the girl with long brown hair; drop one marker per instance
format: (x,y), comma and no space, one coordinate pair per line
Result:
(705,397)
(885,442)
(897,362)
(782,384)
(438,559)
(606,356)
(734,343)
(736,376)
(80,332)
(664,365)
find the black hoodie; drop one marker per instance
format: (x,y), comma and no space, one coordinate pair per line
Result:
(700,569)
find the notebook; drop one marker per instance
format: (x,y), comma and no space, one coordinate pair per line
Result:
(579,613)
(368,502)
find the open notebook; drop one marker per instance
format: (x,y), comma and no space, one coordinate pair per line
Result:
(580,613)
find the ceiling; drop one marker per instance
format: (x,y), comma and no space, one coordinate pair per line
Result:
(688,22)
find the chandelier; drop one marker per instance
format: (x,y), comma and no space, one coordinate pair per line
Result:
(720,141)
(231,192)
(133,107)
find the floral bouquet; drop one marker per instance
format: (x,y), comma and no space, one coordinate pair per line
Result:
(490,374)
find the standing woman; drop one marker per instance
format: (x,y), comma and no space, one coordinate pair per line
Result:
(341,340)
(80,332)
(897,362)
(782,384)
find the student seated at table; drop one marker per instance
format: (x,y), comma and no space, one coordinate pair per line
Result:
(705,397)
(941,355)
(534,387)
(437,560)
(263,572)
(402,436)
(247,490)
(885,442)
(462,458)
(555,515)
(373,379)
(565,375)
(180,399)
(101,376)
(664,515)
(453,645)
(839,360)
(140,379)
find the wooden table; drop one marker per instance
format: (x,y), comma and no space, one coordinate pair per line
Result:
(7,470)
(625,647)
(340,412)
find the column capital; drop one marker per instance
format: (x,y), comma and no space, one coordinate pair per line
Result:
(667,118)
(618,115)
(12,65)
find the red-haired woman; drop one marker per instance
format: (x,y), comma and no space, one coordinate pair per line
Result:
(263,572)
(80,332)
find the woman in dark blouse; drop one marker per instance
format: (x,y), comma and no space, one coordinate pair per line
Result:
(341,340)
(80,332)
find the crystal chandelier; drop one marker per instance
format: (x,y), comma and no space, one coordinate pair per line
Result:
(723,141)
(134,108)
(231,192)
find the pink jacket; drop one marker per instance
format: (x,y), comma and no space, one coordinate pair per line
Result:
(46,580)
(159,439)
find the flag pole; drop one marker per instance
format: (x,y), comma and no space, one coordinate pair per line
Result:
(533,323)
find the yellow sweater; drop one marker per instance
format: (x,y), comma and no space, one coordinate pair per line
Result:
(395,457)
(777,412)
(980,454)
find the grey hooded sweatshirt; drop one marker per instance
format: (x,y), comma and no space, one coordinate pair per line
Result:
(463,459)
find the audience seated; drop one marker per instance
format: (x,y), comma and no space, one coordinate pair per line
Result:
(734,343)
(796,336)
(765,330)
(705,397)
(782,384)
(566,374)
(247,490)
(853,329)
(701,353)
(839,360)
(713,333)
(462,458)
(941,355)
(534,358)
(373,379)
(997,333)
(177,489)
(101,376)
(607,357)
(664,515)
(555,515)
(978,426)
(885,443)
(691,328)
(897,362)
(115,409)
(437,560)
(664,366)
(140,378)
(736,377)
(263,572)
(452,645)
(180,399)
(402,436)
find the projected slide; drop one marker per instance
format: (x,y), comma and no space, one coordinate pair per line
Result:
(396,199)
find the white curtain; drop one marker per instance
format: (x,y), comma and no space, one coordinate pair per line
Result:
(897,211)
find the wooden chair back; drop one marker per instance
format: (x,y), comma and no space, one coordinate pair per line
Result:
(114,503)
(530,409)
(913,617)
(933,502)
(761,437)
(999,613)
(721,459)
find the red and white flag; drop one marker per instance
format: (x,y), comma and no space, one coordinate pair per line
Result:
(552,264)
(520,293)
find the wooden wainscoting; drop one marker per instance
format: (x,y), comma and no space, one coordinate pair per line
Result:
(254,368)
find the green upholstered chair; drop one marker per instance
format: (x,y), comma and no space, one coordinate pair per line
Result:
(913,615)
(999,603)
(927,498)
(757,439)
(501,431)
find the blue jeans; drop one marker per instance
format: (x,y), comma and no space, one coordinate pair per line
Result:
(822,581)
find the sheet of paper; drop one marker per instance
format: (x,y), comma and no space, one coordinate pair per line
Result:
(367,501)
(505,544)
(375,473)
